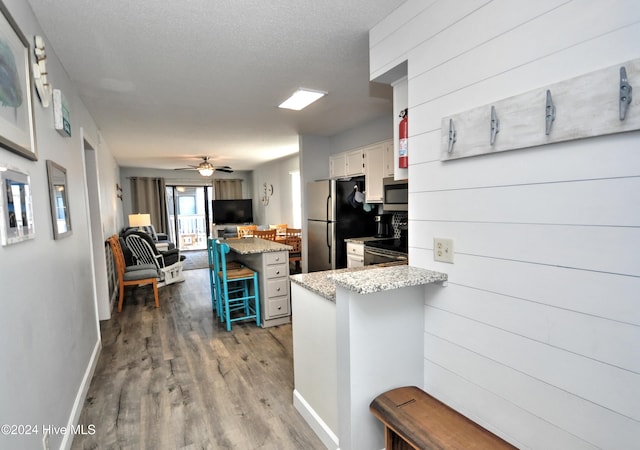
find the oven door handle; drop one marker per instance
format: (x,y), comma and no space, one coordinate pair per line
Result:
(386,255)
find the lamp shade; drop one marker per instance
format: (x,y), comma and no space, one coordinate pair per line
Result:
(139,220)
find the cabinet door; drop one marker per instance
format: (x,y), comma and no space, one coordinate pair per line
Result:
(338,165)
(355,261)
(373,172)
(355,163)
(388,162)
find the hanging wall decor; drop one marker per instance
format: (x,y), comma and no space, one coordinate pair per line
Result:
(59,200)
(16,104)
(61,119)
(16,210)
(267,192)
(43,87)
(594,104)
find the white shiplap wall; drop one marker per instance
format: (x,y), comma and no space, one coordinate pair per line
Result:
(537,336)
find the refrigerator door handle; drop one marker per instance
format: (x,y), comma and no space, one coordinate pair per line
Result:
(329,241)
(328,204)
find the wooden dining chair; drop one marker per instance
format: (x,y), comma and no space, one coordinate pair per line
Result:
(266,234)
(293,238)
(246,230)
(132,275)
(281,228)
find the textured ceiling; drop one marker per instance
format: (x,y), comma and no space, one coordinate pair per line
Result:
(169,81)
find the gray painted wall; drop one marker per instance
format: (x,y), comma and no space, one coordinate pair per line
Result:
(48,326)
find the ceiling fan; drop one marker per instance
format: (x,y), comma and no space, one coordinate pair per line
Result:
(206,169)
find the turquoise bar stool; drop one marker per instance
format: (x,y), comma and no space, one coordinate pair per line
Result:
(237,292)
(214,268)
(212,274)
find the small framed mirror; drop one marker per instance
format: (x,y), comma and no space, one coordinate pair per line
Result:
(16,215)
(58,193)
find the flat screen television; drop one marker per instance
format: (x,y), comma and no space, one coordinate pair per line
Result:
(233,211)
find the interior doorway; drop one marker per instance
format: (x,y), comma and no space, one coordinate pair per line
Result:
(101,283)
(189,216)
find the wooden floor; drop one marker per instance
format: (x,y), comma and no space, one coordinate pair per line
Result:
(173,378)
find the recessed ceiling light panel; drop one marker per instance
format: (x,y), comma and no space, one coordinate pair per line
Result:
(301,99)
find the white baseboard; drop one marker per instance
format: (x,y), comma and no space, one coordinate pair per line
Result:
(81,395)
(326,435)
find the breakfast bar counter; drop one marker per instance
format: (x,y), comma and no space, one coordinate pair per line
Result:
(357,333)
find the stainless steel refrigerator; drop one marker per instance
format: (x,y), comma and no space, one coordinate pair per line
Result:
(332,218)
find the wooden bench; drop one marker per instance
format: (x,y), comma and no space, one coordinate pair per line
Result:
(415,420)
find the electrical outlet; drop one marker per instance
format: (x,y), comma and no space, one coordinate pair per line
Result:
(443,250)
(45,440)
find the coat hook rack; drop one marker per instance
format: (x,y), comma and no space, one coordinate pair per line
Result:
(495,125)
(550,113)
(452,136)
(625,93)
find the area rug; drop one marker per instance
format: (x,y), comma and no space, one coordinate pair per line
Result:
(195,259)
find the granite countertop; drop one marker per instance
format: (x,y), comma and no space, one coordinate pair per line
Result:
(367,279)
(246,246)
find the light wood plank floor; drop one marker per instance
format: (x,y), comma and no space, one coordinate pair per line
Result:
(173,378)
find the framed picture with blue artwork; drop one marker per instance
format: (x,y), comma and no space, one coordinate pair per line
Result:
(16,99)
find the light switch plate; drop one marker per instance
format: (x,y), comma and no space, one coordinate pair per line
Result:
(443,250)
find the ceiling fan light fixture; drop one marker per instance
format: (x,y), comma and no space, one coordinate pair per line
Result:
(301,99)
(206,169)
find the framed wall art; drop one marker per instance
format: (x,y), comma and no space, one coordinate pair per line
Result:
(58,194)
(16,209)
(16,101)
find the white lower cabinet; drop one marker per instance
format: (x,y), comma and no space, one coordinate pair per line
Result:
(275,304)
(355,254)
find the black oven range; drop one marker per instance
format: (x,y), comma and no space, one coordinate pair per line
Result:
(380,251)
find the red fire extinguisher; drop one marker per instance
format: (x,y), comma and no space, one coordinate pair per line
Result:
(403,149)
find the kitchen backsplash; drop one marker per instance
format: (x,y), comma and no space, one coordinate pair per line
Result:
(398,222)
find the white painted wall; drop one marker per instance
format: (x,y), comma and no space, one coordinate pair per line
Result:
(278,174)
(48,326)
(537,335)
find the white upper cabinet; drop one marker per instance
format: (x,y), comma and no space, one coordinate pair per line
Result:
(346,164)
(355,162)
(374,172)
(338,165)
(388,163)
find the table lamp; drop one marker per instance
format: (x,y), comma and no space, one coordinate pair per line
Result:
(139,220)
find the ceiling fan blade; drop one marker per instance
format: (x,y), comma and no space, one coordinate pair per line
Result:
(186,168)
(226,169)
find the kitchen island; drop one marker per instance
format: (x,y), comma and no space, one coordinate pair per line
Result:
(271,260)
(357,333)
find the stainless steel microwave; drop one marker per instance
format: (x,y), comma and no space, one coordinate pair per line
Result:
(395,194)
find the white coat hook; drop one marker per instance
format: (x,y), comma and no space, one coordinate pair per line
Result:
(625,93)
(452,136)
(495,125)
(550,113)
